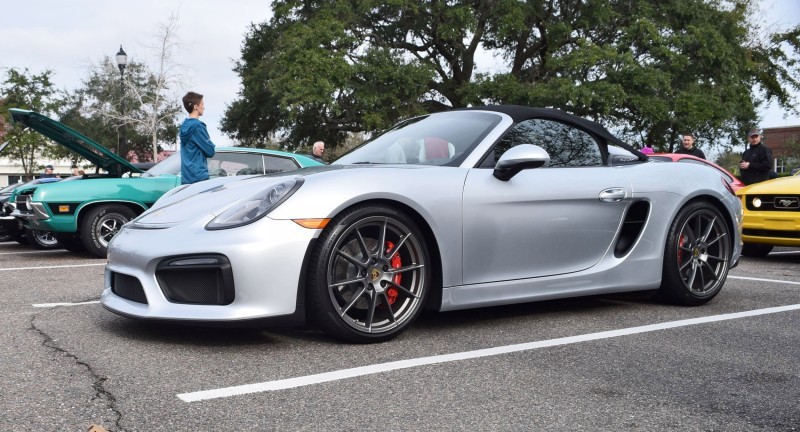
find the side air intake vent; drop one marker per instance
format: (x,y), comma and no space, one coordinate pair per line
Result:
(631,227)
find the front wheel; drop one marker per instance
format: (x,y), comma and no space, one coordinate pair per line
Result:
(42,239)
(102,223)
(369,275)
(696,256)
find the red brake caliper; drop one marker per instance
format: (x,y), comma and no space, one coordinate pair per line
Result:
(681,243)
(396,262)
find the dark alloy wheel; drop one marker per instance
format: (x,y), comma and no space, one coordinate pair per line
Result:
(42,239)
(370,275)
(697,255)
(101,224)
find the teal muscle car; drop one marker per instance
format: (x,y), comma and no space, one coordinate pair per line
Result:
(86,213)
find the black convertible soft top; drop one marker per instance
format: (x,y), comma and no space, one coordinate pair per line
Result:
(519,113)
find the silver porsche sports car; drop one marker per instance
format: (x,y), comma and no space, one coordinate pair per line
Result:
(461,209)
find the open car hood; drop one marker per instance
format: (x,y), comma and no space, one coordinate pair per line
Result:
(74,141)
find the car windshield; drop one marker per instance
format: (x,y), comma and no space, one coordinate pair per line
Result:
(170,165)
(438,139)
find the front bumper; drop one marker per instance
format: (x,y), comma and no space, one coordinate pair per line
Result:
(266,262)
(773,228)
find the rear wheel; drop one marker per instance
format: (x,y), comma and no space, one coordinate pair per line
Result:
(369,275)
(756,250)
(696,256)
(101,224)
(42,239)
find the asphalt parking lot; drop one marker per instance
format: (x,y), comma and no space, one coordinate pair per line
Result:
(597,363)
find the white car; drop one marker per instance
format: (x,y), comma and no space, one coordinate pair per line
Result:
(453,210)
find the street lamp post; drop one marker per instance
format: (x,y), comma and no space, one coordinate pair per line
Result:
(122,61)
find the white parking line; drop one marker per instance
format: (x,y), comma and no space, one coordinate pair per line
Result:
(52,267)
(764,280)
(50,305)
(445,358)
(33,252)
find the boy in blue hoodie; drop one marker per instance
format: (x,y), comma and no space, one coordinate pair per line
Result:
(196,145)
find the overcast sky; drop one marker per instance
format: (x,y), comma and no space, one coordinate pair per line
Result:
(68,36)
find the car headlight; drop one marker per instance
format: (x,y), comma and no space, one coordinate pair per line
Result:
(257,206)
(756,202)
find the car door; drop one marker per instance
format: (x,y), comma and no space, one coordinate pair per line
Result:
(545,221)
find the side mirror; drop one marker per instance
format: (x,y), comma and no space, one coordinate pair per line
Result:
(518,158)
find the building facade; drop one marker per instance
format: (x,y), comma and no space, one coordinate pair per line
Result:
(785,145)
(11,171)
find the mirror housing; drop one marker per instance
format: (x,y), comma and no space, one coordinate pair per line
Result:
(518,158)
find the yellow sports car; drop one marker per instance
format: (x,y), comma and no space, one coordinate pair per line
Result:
(771,215)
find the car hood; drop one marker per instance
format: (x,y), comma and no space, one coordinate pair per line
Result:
(209,197)
(74,141)
(784,185)
(212,197)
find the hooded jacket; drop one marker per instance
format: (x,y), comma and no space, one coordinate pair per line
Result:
(196,146)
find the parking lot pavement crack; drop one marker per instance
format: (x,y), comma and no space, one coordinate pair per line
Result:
(101,393)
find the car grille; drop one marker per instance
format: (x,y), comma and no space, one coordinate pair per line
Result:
(775,203)
(23,201)
(196,279)
(128,287)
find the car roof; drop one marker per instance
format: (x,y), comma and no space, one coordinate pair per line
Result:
(302,159)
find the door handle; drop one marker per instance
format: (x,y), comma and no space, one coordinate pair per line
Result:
(612,195)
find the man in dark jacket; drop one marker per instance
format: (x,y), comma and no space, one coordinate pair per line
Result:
(196,145)
(689,148)
(756,160)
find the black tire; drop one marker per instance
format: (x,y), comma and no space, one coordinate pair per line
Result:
(101,224)
(71,243)
(360,292)
(756,250)
(42,239)
(696,256)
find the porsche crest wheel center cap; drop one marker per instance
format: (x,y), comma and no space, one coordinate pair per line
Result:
(375,274)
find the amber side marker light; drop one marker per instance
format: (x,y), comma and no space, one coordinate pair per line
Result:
(312,223)
(63,209)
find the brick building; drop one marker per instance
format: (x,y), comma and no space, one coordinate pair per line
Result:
(785,145)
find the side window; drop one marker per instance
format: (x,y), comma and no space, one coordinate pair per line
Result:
(276,164)
(567,146)
(229,164)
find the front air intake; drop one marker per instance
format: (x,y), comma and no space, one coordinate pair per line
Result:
(127,287)
(196,279)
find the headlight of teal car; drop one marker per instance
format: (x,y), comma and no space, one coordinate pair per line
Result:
(257,206)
